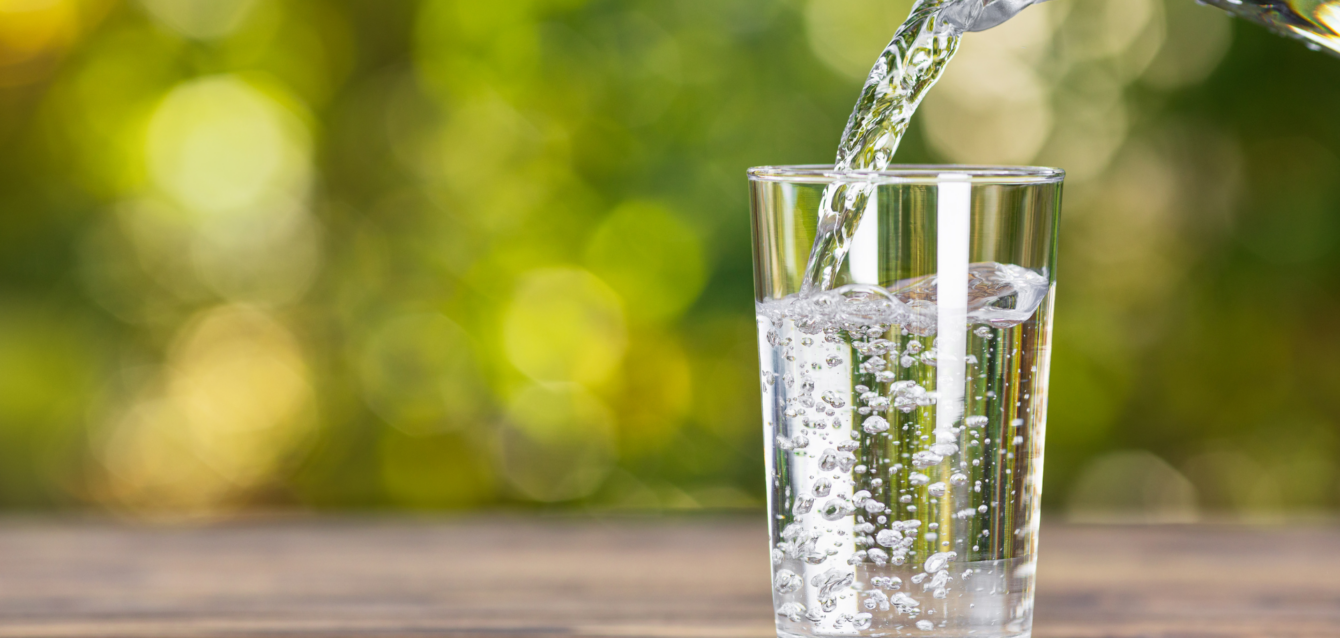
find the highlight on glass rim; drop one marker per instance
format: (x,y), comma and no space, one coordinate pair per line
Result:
(343,317)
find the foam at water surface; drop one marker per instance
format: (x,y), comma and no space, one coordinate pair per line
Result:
(999,295)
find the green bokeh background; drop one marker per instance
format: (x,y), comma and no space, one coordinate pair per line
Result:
(452,254)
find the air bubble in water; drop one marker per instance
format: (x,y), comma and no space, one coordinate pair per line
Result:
(888,537)
(836,508)
(945,449)
(875,600)
(829,461)
(925,625)
(891,583)
(846,461)
(794,612)
(926,459)
(937,489)
(958,478)
(786,581)
(939,561)
(822,487)
(875,425)
(873,365)
(904,603)
(832,580)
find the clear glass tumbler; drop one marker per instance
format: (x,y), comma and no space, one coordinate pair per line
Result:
(905,403)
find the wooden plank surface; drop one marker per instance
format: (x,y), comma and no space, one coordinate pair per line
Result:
(658,578)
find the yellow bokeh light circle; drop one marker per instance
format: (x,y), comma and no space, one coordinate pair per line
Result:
(29,27)
(653,394)
(229,413)
(557,443)
(221,147)
(565,324)
(242,385)
(33,35)
(988,109)
(152,466)
(651,258)
(200,19)
(848,35)
(1110,28)
(231,164)
(992,106)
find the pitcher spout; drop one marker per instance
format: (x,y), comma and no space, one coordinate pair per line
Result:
(1316,22)
(980,15)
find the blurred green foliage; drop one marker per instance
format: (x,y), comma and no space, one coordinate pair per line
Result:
(458,254)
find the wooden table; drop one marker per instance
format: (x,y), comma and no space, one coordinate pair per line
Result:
(531,578)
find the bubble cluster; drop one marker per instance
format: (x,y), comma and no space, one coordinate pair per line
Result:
(875,491)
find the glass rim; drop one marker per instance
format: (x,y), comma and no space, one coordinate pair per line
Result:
(924,174)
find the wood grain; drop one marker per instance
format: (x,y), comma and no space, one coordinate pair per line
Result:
(524,577)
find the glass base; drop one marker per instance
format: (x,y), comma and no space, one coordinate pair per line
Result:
(980,599)
(913,632)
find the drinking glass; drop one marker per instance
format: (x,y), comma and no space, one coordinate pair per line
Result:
(905,399)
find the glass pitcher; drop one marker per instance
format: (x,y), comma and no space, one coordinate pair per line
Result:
(1316,22)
